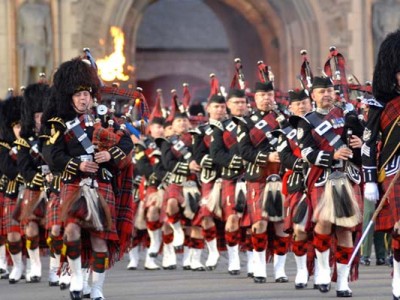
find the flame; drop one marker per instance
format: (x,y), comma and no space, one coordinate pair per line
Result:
(112,66)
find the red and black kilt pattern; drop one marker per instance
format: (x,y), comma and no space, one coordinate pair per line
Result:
(228,202)
(53,211)
(10,224)
(3,230)
(291,201)
(390,213)
(203,211)
(317,192)
(104,190)
(29,199)
(173,191)
(255,191)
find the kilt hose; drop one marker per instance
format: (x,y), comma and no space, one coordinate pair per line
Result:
(317,192)
(228,201)
(53,211)
(9,223)
(105,190)
(255,191)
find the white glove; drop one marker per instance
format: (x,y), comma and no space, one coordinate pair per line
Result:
(371,192)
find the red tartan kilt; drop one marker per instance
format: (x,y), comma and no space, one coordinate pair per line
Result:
(255,191)
(290,203)
(3,230)
(203,211)
(10,224)
(317,192)
(30,196)
(104,189)
(173,191)
(390,213)
(53,211)
(228,198)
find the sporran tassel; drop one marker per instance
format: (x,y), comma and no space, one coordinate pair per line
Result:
(191,203)
(240,196)
(273,201)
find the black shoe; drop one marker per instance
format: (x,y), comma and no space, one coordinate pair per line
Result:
(316,286)
(365,261)
(132,268)
(260,279)
(86,296)
(4,276)
(178,248)
(98,298)
(12,281)
(300,286)
(53,283)
(389,261)
(234,272)
(153,254)
(344,294)
(186,268)
(380,261)
(35,279)
(250,275)
(199,269)
(150,269)
(171,267)
(211,268)
(64,286)
(324,288)
(75,295)
(396,298)
(282,280)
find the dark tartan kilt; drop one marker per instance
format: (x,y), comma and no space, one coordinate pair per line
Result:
(255,191)
(3,230)
(317,192)
(228,198)
(10,224)
(390,213)
(104,189)
(290,203)
(53,211)
(173,191)
(30,196)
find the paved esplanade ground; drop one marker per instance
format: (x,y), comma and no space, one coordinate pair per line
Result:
(374,283)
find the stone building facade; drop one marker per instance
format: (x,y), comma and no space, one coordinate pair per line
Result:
(271,30)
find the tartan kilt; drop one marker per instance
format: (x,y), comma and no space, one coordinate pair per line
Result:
(105,190)
(390,213)
(10,224)
(3,230)
(228,201)
(255,191)
(173,191)
(203,211)
(290,203)
(317,192)
(29,199)
(53,211)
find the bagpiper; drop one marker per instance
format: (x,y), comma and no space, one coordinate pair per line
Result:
(383,120)
(328,143)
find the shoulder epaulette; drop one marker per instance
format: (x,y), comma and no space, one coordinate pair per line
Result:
(22,142)
(373,102)
(5,145)
(195,131)
(218,124)
(57,120)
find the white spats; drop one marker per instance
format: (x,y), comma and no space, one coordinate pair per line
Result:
(97,285)
(213,254)
(133,258)
(233,256)
(75,266)
(324,271)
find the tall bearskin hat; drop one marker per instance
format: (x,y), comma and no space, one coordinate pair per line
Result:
(387,65)
(10,114)
(33,102)
(71,77)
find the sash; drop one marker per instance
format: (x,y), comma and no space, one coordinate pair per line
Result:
(328,129)
(179,147)
(230,134)
(80,134)
(262,130)
(207,136)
